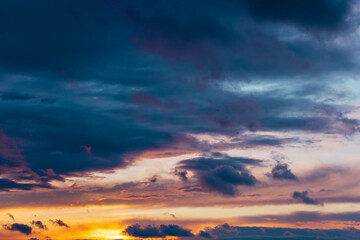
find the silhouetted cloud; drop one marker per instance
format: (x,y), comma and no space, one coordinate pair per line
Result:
(23,228)
(163,230)
(7,184)
(303,196)
(39,224)
(221,173)
(279,233)
(182,174)
(281,171)
(59,223)
(175,230)
(143,232)
(11,216)
(305,216)
(204,234)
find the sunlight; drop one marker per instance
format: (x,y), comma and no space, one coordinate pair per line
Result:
(108,234)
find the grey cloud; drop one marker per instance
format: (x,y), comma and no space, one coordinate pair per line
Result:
(303,196)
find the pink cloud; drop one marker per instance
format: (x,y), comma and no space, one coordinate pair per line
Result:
(143,98)
(87,148)
(8,147)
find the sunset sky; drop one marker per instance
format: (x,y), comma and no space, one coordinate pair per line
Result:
(179,119)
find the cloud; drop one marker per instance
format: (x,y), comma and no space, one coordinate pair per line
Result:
(23,228)
(306,216)
(303,196)
(204,234)
(14,97)
(152,75)
(39,224)
(233,232)
(143,98)
(221,173)
(153,179)
(143,232)
(175,231)
(59,223)
(170,214)
(7,184)
(281,171)
(152,231)
(326,172)
(182,174)
(11,216)
(319,14)
(10,152)
(213,160)
(49,175)
(87,148)
(224,179)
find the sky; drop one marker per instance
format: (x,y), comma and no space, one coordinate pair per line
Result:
(179,119)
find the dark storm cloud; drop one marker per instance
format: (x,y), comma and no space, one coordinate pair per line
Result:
(72,40)
(303,196)
(14,97)
(221,173)
(318,14)
(6,185)
(66,38)
(220,46)
(59,223)
(235,113)
(23,228)
(76,79)
(163,230)
(66,136)
(281,171)
(49,175)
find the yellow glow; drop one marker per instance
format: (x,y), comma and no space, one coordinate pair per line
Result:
(106,234)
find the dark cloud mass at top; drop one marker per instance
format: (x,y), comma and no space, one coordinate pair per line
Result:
(318,14)
(89,85)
